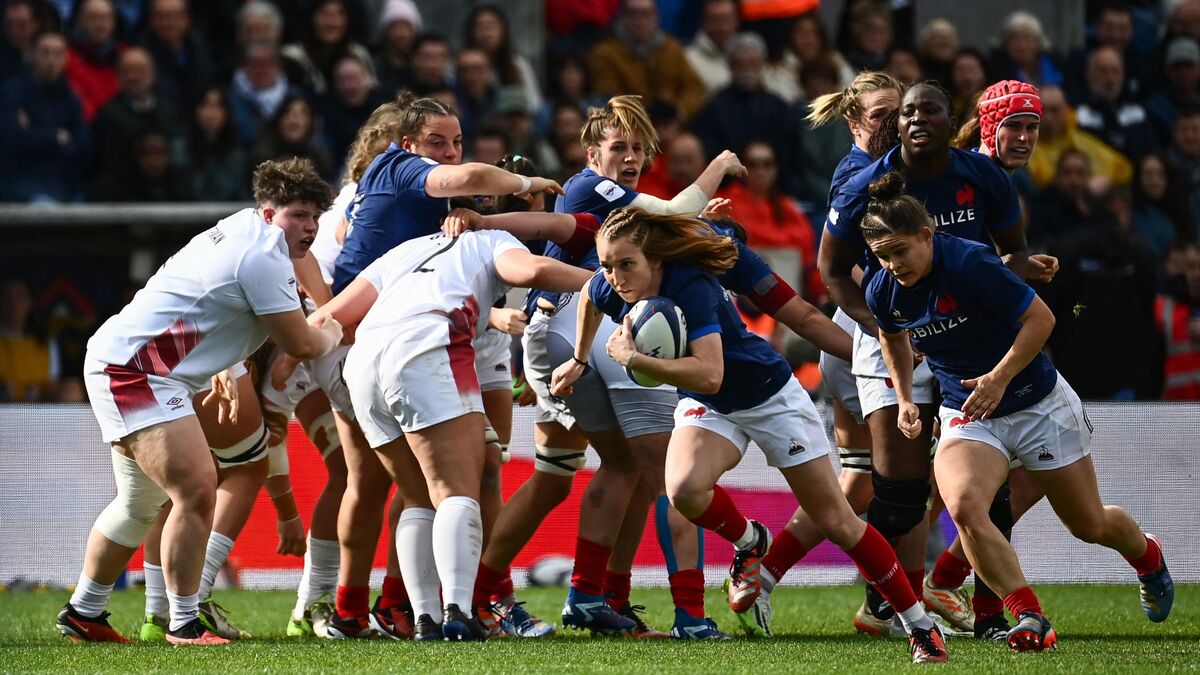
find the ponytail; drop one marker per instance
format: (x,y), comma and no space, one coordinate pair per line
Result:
(892,210)
(845,103)
(671,239)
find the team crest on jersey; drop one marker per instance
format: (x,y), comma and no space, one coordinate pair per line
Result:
(833,216)
(609,190)
(965,195)
(946,304)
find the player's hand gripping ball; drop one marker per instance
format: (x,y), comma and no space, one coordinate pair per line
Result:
(659,330)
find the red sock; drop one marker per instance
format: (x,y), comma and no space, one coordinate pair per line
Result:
(986,604)
(591,561)
(950,570)
(916,579)
(487,580)
(505,589)
(353,601)
(722,516)
(1022,600)
(1150,561)
(394,593)
(687,591)
(785,552)
(877,563)
(616,588)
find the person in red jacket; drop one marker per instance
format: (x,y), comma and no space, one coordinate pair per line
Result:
(92,66)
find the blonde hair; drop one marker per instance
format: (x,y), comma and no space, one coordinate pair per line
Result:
(671,239)
(376,134)
(845,103)
(625,114)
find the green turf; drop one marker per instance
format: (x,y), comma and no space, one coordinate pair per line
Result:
(1100,629)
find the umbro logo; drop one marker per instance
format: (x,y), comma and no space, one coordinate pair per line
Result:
(175,402)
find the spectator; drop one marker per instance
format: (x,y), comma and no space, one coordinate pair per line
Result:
(808,41)
(515,118)
(821,148)
(150,177)
(706,54)
(570,83)
(218,166)
(325,44)
(904,65)
(1066,206)
(487,29)
(475,91)
(1023,52)
(259,88)
(181,58)
(870,35)
(674,170)
(1184,156)
(1113,28)
(642,60)
(1177,318)
(29,365)
(42,132)
(777,230)
(346,107)
(567,124)
(92,66)
(1109,113)
(938,49)
(1059,132)
(393,60)
(1160,209)
(745,110)
(1181,65)
(431,64)
(258,22)
(21,26)
(293,133)
(135,109)
(968,77)
(490,145)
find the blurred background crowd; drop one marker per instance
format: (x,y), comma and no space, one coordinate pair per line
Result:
(167,101)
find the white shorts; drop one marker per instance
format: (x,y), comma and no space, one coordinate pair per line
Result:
(786,426)
(879,392)
(539,362)
(837,375)
(125,400)
(1052,433)
(423,376)
(324,373)
(492,357)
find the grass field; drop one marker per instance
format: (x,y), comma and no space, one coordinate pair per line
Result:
(1100,629)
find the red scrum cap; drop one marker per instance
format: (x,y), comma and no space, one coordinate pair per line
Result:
(1002,100)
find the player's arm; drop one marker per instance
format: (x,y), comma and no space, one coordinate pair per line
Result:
(300,338)
(1014,249)
(559,228)
(898,357)
(518,267)
(694,198)
(587,322)
(809,323)
(477,178)
(702,370)
(1037,322)
(308,275)
(287,515)
(836,259)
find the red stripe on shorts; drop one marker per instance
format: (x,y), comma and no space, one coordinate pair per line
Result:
(130,389)
(462,354)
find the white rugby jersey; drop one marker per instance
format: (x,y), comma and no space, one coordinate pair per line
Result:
(198,314)
(436,274)
(325,247)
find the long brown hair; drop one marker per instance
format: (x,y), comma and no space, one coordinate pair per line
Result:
(671,239)
(376,134)
(625,114)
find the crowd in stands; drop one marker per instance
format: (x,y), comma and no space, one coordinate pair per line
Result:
(175,101)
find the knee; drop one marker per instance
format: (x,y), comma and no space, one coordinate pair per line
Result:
(898,505)
(687,495)
(1089,530)
(968,511)
(195,496)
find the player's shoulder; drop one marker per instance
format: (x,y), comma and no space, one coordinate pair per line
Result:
(976,165)
(384,168)
(963,255)
(589,187)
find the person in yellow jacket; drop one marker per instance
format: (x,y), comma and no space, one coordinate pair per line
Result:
(1059,132)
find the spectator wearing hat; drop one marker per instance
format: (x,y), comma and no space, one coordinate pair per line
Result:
(515,117)
(1110,112)
(1182,73)
(642,60)
(393,61)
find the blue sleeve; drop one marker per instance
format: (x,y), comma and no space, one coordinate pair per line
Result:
(411,174)
(749,270)
(1006,208)
(370,236)
(604,297)
(700,299)
(845,213)
(877,302)
(993,285)
(596,195)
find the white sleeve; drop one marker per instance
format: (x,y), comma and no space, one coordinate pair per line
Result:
(503,242)
(690,201)
(373,274)
(268,280)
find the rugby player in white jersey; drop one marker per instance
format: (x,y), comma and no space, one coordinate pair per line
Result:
(207,308)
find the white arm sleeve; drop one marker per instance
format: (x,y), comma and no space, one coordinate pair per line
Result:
(690,201)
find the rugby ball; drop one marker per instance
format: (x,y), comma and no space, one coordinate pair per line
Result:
(551,570)
(659,331)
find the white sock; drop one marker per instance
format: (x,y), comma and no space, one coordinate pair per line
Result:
(748,537)
(457,545)
(915,617)
(184,608)
(215,556)
(156,591)
(414,546)
(768,579)
(90,598)
(320,576)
